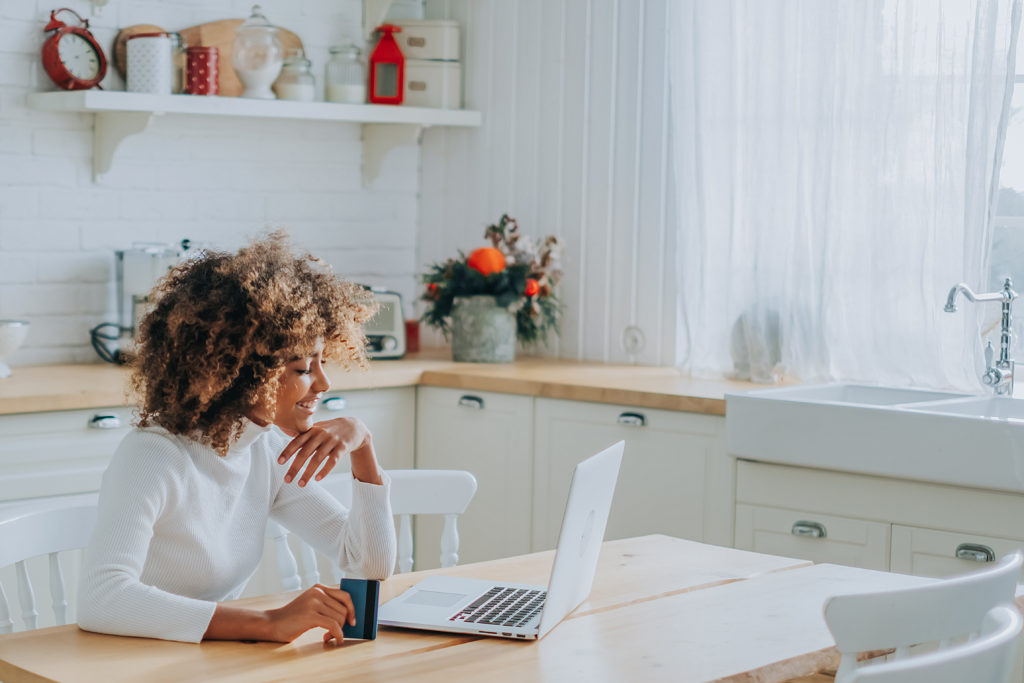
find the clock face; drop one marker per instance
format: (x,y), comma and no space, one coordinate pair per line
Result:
(79,56)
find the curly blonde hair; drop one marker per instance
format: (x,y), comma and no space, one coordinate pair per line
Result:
(224,325)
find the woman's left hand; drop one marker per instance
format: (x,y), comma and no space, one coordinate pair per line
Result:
(325,443)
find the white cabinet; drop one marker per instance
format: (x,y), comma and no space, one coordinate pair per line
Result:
(675,478)
(490,435)
(904,526)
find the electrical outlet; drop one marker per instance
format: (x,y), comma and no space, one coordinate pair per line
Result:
(633,340)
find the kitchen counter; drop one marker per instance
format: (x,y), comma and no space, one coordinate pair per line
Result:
(68,387)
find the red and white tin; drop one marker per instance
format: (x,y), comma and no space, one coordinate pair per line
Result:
(202,70)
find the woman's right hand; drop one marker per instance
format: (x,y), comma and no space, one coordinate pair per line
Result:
(319,606)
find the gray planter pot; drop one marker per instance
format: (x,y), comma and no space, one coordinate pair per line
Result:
(482,332)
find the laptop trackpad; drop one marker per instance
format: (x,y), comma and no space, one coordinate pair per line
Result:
(434,598)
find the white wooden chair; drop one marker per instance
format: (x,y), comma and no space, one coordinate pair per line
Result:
(413,492)
(939,613)
(34,529)
(989,658)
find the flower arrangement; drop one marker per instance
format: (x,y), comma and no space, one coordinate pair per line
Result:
(518,272)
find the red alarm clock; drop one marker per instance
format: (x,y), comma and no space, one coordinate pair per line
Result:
(71,56)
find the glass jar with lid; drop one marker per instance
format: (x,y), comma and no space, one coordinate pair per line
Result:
(296,81)
(346,75)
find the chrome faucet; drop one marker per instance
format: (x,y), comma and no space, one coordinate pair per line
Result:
(1000,375)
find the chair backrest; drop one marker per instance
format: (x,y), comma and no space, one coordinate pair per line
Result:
(935,613)
(413,492)
(34,529)
(989,658)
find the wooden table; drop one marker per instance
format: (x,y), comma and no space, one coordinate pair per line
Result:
(662,609)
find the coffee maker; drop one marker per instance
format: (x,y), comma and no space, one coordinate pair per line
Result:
(138,270)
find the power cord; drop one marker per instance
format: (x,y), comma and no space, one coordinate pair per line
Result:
(100,336)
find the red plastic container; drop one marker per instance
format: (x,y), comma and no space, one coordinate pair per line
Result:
(202,71)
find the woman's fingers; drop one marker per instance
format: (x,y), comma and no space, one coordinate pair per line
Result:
(342,597)
(332,625)
(313,444)
(319,449)
(294,445)
(328,460)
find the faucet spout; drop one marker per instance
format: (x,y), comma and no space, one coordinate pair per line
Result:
(962,288)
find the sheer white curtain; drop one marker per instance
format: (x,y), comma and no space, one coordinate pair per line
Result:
(834,162)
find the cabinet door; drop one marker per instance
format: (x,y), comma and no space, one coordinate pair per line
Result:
(58,453)
(390,414)
(929,552)
(664,476)
(490,435)
(813,536)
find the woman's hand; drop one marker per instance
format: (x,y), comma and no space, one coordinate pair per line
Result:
(318,606)
(325,443)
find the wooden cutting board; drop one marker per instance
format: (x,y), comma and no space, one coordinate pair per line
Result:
(218,34)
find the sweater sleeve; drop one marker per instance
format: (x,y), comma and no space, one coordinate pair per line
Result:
(136,487)
(361,540)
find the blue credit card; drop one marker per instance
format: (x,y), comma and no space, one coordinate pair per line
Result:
(365,598)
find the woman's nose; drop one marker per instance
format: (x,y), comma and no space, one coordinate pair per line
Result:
(321,382)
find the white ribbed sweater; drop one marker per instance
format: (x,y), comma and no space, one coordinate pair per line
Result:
(181,529)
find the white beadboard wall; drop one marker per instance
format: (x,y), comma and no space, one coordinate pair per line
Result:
(214,179)
(574,95)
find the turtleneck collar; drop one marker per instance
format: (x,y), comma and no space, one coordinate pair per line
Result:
(250,433)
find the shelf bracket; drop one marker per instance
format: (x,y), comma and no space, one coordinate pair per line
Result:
(381,138)
(374,12)
(110,130)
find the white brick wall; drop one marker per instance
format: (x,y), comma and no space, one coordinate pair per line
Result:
(217,180)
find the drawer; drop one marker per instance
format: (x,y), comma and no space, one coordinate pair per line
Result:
(931,552)
(59,452)
(813,536)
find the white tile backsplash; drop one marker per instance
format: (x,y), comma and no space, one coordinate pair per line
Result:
(212,179)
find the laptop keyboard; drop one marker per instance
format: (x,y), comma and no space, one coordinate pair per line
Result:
(502,607)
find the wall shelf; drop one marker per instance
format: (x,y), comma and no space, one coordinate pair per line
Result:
(120,115)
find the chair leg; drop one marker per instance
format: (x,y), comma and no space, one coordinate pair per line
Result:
(405,560)
(6,623)
(310,570)
(450,542)
(26,597)
(60,603)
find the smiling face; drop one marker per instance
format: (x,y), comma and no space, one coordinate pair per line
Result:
(298,392)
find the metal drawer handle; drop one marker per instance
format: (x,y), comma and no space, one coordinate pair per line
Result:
(468,401)
(975,552)
(105,422)
(334,404)
(632,419)
(809,529)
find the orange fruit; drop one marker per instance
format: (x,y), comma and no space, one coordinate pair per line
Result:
(486,260)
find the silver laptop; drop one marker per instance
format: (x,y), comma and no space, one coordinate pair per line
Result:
(510,610)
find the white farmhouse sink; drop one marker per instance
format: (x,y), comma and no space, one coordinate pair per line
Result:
(894,432)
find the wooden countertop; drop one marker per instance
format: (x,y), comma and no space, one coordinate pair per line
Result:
(68,387)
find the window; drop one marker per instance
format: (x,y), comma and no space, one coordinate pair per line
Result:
(1007,256)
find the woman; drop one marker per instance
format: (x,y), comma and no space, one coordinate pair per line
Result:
(229,370)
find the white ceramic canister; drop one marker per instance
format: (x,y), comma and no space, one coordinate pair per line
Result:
(150,63)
